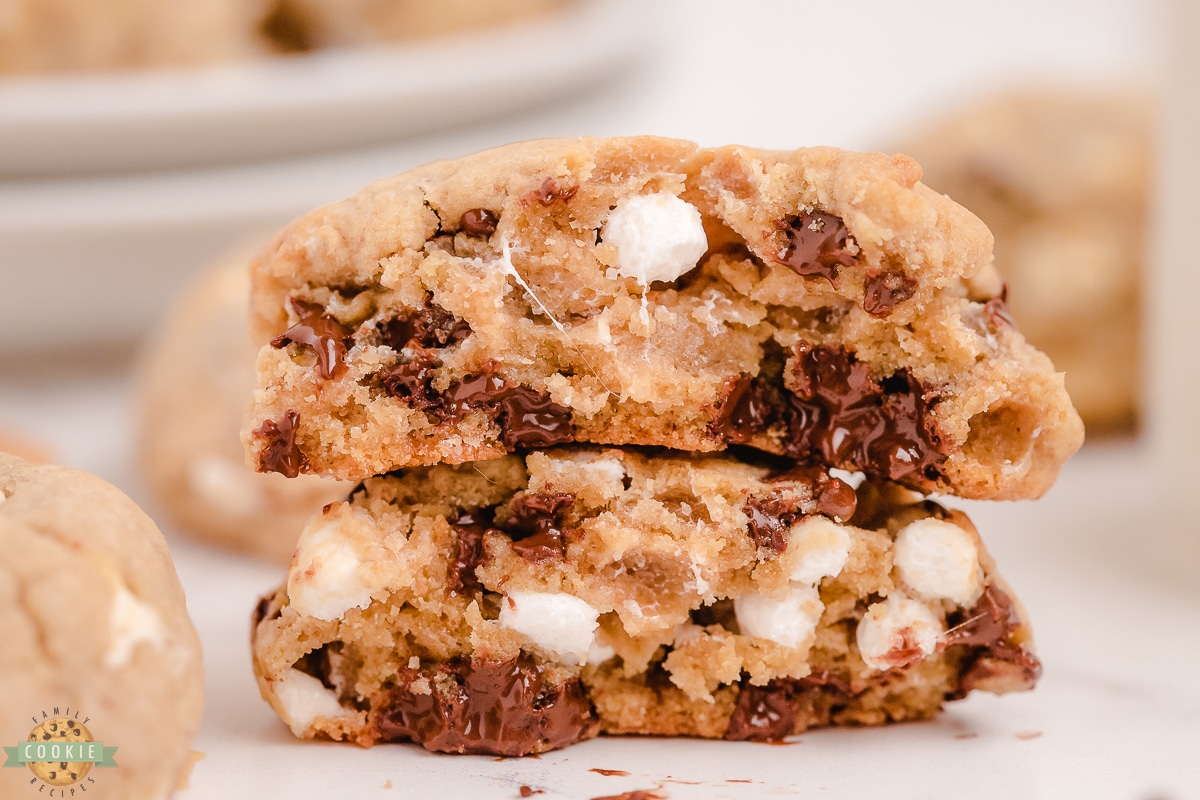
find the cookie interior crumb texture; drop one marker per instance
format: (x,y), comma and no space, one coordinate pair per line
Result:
(93,619)
(818,304)
(517,605)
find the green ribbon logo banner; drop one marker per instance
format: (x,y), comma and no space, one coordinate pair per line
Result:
(94,752)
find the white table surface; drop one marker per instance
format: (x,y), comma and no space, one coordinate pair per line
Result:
(1115,606)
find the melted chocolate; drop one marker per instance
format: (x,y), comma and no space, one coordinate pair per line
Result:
(536,525)
(986,630)
(505,708)
(770,519)
(412,380)
(786,706)
(322,333)
(430,328)
(479,222)
(469,553)
(265,609)
(883,291)
(838,415)
(280,453)
(551,191)
(816,245)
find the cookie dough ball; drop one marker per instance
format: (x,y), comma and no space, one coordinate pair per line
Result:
(196,376)
(93,621)
(1062,179)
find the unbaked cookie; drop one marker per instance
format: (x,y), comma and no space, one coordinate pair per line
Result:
(95,633)
(1062,178)
(195,378)
(519,604)
(819,304)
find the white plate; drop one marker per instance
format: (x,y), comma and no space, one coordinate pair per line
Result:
(55,125)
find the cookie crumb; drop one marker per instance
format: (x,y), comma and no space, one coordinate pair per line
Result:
(529,791)
(387,784)
(608,773)
(969,735)
(1027,735)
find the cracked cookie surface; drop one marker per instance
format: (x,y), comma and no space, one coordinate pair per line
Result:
(645,291)
(516,605)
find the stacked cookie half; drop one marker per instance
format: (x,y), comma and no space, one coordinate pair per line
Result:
(644,434)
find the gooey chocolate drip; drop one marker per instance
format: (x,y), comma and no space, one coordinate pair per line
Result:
(280,453)
(816,244)
(771,516)
(786,706)
(839,415)
(320,332)
(506,708)
(986,630)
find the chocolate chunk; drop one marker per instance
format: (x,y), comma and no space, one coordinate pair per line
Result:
(840,416)
(469,530)
(832,497)
(535,525)
(476,392)
(786,706)
(321,332)
(527,418)
(479,222)
(883,291)
(412,380)
(551,191)
(745,410)
(770,519)
(431,328)
(507,708)
(987,630)
(817,244)
(280,453)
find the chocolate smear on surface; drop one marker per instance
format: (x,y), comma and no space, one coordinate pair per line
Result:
(883,291)
(479,222)
(320,332)
(280,452)
(636,794)
(988,631)
(817,245)
(535,526)
(786,706)
(609,773)
(506,708)
(430,328)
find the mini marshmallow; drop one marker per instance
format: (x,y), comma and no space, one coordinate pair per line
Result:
(658,237)
(896,633)
(327,579)
(304,700)
(939,560)
(557,622)
(789,621)
(131,622)
(821,548)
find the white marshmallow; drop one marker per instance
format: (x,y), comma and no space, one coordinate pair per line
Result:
(896,633)
(558,622)
(327,577)
(131,622)
(658,237)
(229,485)
(304,700)
(789,621)
(939,560)
(821,548)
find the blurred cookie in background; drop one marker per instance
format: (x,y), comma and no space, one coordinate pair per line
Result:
(72,35)
(195,379)
(98,646)
(1062,178)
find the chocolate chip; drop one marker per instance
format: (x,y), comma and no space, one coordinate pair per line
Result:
(431,327)
(507,708)
(883,291)
(987,631)
(479,222)
(280,452)
(535,525)
(551,191)
(786,706)
(817,244)
(469,530)
(322,333)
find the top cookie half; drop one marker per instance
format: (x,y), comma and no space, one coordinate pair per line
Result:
(818,304)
